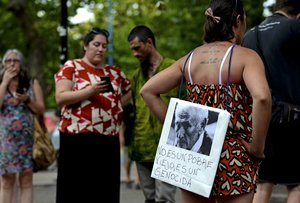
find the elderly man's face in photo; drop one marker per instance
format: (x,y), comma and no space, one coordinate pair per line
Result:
(190,123)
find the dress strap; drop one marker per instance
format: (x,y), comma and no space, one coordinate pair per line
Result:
(189,68)
(222,63)
(229,50)
(221,66)
(182,74)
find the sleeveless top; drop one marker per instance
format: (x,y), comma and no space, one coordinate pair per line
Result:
(16,135)
(237,169)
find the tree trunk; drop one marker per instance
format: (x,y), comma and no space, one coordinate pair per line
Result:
(35,45)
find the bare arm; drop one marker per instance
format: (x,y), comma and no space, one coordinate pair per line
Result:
(160,83)
(65,95)
(8,75)
(121,134)
(126,98)
(3,87)
(37,104)
(255,80)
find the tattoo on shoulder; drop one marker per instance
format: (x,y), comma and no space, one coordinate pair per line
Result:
(212,55)
(210,61)
(210,51)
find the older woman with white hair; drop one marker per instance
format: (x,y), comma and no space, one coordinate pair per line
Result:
(20,98)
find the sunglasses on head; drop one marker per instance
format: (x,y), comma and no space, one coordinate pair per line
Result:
(100,31)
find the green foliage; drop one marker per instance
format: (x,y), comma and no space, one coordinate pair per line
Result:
(254,12)
(178,26)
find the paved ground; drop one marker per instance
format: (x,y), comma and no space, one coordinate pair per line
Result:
(45,185)
(45,189)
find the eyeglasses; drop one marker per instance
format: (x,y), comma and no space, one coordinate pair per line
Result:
(7,61)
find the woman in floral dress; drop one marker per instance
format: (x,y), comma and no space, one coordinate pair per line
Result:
(16,126)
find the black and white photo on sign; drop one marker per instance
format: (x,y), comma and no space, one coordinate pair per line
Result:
(193,128)
(190,146)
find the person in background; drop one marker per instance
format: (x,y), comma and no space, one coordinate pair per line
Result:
(147,128)
(91,115)
(54,134)
(125,137)
(55,131)
(20,98)
(15,190)
(14,193)
(275,40)
(249,99)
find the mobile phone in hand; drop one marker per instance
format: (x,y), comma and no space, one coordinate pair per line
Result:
(20,90)
(23,83)
(108,82)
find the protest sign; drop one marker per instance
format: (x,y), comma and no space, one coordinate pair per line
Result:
(190,145)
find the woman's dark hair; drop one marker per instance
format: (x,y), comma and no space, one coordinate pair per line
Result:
(95,31)
(227,10)
(143,33)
